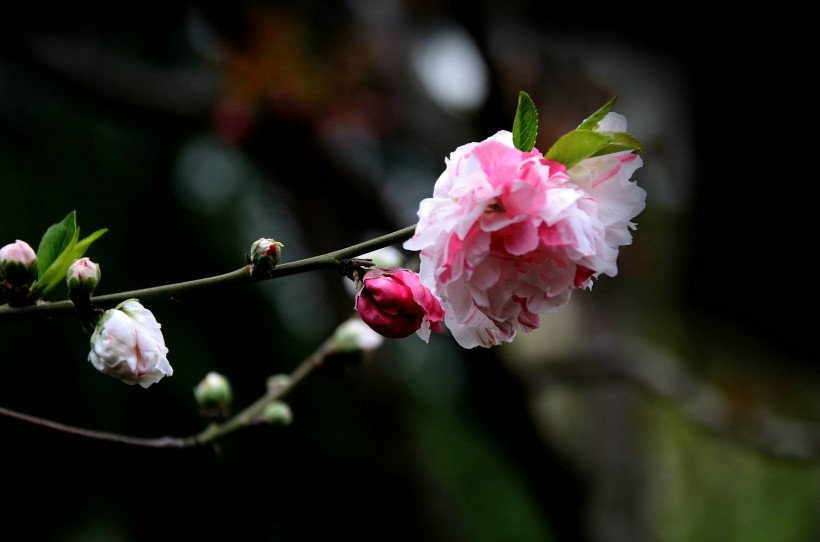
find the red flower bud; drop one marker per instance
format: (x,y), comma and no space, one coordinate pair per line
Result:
(394,303)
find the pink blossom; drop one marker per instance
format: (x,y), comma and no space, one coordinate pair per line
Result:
(509,234)
(127,344)
(395,304)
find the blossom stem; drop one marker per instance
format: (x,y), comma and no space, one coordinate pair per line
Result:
(331,260)
(277,391)
(248,416)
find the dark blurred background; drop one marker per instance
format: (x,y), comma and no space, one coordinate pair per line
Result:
(678,401)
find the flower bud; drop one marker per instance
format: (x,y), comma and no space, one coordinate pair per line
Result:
(127,344)
(277,413)
(354,335)
(278,382)
(214,395)
(384,257)
(388,256)
(394,303)
(265,254)
(18,264)
(82,277)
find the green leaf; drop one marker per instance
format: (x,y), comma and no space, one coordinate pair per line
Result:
(621,141)
(82,246)
(587,141)
(55,241)
(525,124)
(58,249)
(577,145)
(55,274)
(591,122)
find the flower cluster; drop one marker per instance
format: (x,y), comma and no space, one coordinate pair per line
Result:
(508,234)
(126,341)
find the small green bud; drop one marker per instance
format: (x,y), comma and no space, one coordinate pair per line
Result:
(354,335)
(214,395)
(82,277)
(265,254)
(278,382)
(277,413)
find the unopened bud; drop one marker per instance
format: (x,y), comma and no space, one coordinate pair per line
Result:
(277,383)
(354,335)
(82,277)
(265,254)
(388,256)
(396,304)
(277,413)
(18,264)
(214,395)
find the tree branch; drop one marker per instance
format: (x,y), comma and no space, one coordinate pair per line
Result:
(330,260)
(278,388)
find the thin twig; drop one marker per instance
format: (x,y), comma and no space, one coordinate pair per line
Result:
(331,260)
(249,416)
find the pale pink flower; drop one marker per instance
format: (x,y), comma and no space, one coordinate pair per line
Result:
(395,304)
(509,234)
(127,344)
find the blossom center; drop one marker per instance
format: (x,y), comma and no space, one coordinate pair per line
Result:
(495,206)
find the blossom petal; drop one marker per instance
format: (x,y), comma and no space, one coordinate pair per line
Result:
(508,235)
